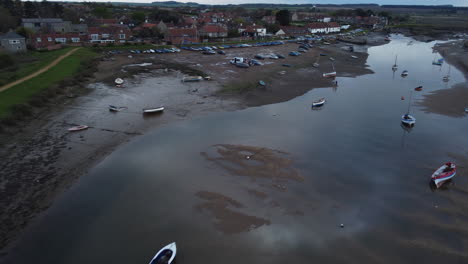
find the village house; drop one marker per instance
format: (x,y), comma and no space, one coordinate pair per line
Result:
(253,31)
(12,42)
(181,36)
(109,34)
(292,31)
(213,31)
(269,19)
(51,41)
(325,28)
(47,24)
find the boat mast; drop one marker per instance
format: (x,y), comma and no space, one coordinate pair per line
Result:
(396,56)
(333,66)
(409,103)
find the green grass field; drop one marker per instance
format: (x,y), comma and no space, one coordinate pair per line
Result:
(28,63)
(22,92)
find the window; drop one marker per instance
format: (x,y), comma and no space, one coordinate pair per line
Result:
(61,40)
(122,36)
(94,36)
(14,41)
(49,39)
(75,40)
(105,35)
(38,39)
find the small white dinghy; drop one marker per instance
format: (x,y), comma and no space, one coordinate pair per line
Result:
(119,81)
(166,255)
(153,110)
(404,73)
(78,128)
(444,173)
(319,102)
(408,120)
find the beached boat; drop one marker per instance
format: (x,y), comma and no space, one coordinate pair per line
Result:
(466,110)
(114,108)
(315,65)
(165,255)
(192,79)
(408,120)
(446,78)
(119,81)
(330,74)
(78,128)
(153,110)
(404,73)
(419,88)
(319,102)
(444,173)
(242,65)
(262,83)
(331,58)
(354,57)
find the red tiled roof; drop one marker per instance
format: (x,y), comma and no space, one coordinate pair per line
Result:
(179,32)
(209,28)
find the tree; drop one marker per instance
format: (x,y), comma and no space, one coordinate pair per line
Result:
(7,21)
(57,10)
(30,9)
(102,12)
(272,28)
(138,17)
(25,32)
(71,15)
(360,12)
(283,17)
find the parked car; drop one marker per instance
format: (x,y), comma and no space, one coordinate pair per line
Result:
(209,52)
(255,62)
(259,56)
(280,56)
(294,53)
(273,56)
(302,50)
(222,52)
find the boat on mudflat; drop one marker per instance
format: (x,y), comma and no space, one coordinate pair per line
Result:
(166,255)
(329,74)
(119,81)
(419,88)
(444,173)
(319,102)
(78,128)
(408,120)
(153,110)
(404,73)
(192,79)
(114,108)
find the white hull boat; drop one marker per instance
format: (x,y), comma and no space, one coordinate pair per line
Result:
(329,74)
(119,81)
(153,110)
(192,79)
(444,173)
(408,120)
(78,128)
(318,103)
(166,255)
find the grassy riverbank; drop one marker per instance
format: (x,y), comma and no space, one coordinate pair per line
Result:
(15,101)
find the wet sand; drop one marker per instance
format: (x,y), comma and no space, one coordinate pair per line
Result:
(453,101)
(40,159)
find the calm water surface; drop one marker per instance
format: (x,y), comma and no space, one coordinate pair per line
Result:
(360,169)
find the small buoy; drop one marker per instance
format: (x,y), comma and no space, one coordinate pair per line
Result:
(341,225)
(402,98)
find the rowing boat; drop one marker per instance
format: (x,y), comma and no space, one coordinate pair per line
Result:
(153,110)
(319,102)
(77,128)
(165,255)
(444,173)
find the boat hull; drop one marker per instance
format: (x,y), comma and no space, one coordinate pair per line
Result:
(439,177)
(172,248)
(408,121)
(318,103)
(329,75)
(153,110)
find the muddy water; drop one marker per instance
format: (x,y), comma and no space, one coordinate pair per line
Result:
(274,183)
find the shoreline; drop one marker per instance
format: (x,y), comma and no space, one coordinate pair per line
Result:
(42,160)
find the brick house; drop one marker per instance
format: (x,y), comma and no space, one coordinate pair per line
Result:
(50,40)
(253,31)
(181,36)
(292,31)
(213,31)
(320,27)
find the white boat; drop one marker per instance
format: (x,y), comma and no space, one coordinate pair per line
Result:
(237,60)
(165,255)
(153,110)
(404,73)
(395,66)
(114,108)
(354,57)
(444,173)
(319,102)
(78,128)
(316,65)
(446,78)
(119,81)
(408,120)
(466,110)
(192,79)
(330,74)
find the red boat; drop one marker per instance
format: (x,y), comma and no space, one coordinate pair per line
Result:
(444,173)
(419,88)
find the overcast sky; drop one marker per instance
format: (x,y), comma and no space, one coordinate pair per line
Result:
(382,2)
